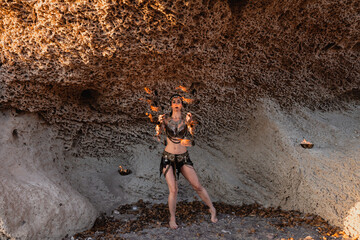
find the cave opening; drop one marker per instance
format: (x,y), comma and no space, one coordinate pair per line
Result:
(89,96)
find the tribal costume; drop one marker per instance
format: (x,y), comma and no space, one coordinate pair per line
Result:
(174,160)
(175,131)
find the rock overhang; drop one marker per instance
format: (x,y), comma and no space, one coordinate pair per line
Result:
(83,67)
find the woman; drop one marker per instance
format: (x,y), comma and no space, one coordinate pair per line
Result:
(175,158)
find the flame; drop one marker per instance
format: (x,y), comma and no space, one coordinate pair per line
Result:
(191,130)
(155,109)
(185,141)
(305,142)
(184,89)
(190,123)
(150,116)
(157,129)
(161,118)
(123,170)
(188,100)
(147,90)
(191,127)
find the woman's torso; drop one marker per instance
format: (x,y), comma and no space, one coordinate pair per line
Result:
(175,132)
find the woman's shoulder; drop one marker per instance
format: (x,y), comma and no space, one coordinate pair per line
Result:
(166,118)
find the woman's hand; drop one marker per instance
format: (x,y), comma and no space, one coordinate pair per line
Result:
(161,118)
(186,142)
(188,118)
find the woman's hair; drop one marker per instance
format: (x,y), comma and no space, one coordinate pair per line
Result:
(176,95)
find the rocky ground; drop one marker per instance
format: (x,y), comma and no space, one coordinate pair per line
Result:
(143,220)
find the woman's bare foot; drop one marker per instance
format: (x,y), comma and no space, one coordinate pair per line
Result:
(173,225)
(213,215)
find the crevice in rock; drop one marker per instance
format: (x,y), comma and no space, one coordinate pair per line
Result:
(15,133)
(89,97)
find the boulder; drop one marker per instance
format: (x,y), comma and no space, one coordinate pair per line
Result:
(36,200)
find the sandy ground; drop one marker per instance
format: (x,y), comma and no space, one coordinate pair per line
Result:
(143,220)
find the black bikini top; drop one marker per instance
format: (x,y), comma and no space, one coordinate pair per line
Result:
(175,130)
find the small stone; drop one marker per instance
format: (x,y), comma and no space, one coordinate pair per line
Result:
(270,236)
(308,238)
(224,231)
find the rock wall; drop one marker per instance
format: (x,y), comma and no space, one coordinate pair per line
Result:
(82,67)
(36,200)
(261,163)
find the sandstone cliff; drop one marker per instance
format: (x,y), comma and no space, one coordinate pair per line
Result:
(82,67)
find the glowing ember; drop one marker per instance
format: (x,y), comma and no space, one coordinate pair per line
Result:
(190,123)
(186,141)
(161,118)
(150,116)
(188,117)
(191,130)
(147,90)
(305,142)
(188,100)
(184,89)
(155,109)
(123,171)
(157,129)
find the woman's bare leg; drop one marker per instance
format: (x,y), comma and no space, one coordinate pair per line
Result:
(173,190)
(190,174)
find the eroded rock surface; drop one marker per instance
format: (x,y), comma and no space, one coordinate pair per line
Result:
(36,200)
(82,67)
(262,163)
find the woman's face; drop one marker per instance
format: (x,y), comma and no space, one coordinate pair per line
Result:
(176,104)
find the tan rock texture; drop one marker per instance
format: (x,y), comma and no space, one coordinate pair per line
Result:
(82,66)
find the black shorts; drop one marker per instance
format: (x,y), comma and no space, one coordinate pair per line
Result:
(174,160)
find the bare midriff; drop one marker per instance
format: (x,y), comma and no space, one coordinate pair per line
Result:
(174,148)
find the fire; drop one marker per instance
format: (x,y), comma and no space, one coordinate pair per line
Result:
(155,109)
(190,123)
(157,129)
(191,127)
(186,141)
(147,90)
(161,118)
(150,116)
(184,89)
(124,171)
(191,130)
(305,142)
(188,100)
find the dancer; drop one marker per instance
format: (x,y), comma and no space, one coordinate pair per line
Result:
(175,158)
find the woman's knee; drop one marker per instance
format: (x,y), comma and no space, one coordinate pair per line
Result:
(173,190)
